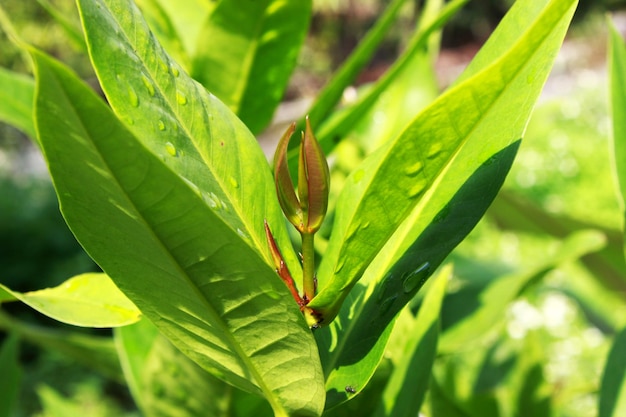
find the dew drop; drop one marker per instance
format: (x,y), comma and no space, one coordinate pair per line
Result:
(181,98)
(212,200)
(170,148)
(242,233)
(387,303)
(435,149)
(414,169)
(383,290)
(133,98)
(415,279)
(148,84)
(417,189)
(161,125)
(233,182)
(175,71)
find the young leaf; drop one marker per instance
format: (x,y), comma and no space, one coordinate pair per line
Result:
(190,129)
(88,300)
(246,53)
(409,381)
(152,232)
(613,385)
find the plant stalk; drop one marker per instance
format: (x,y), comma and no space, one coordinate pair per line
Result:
(308,265)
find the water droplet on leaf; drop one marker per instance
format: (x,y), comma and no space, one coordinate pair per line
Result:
(170,148)
(435,149)
(387,303)
(415,279)
(181,98)
(133,98)
(233,182)
(161,125)
(175,71)
(148,84)
(414,169)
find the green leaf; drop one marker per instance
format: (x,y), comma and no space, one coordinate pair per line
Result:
(491,302)
(246,53)
(162,380)
(613,385)
(617,91)
(190,129)
(16,101)
(93,352)
(88,300)
(409,381)
(11,375)
(367,317)
(153,233)
(414,177)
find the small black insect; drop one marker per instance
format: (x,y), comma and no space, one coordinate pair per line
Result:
(350,389)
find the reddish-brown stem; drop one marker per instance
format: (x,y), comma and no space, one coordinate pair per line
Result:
(281,267)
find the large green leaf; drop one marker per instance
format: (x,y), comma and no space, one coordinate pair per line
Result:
(414,177)
(153,233)
(89,300)
(16,101)
(355,341)
(613,385)
(247,51)
(162,380)
(176,118)
(409,381)
(617,90)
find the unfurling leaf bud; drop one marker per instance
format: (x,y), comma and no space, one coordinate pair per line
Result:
(306,211)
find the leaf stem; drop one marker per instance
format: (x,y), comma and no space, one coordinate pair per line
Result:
(308,265)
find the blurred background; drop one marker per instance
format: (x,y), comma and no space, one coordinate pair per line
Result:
(561,182)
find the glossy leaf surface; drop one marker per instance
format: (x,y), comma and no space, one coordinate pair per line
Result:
(88,300)
(192,274)
(419,171)
(177,119)
(444,210)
